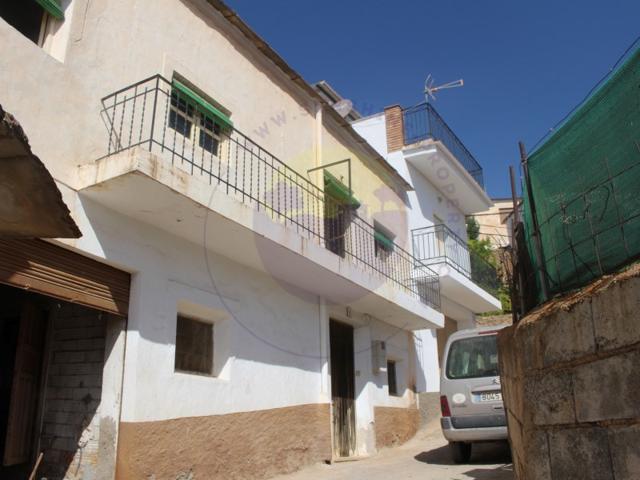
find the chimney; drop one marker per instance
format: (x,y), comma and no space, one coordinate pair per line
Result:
(395,128)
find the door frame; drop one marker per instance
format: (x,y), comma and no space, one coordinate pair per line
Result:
(335,453)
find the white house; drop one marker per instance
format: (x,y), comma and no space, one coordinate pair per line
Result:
(447,186)
(242,299)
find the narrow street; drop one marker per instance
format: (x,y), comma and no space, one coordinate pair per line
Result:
(424,457)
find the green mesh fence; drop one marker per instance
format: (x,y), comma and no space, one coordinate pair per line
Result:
(585,181)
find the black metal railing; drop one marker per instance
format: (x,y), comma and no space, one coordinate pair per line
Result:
(152,114)
(423,122)
(438,244)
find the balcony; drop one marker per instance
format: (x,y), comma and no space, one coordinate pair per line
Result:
(462,271)
(251,206)
(437,152)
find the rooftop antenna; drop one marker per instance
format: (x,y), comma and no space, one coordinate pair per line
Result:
(430,90)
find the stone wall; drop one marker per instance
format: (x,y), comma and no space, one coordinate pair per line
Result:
(571,383)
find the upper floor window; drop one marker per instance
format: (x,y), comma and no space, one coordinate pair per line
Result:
(196,119)
(383,241)
(339,208)
(32,18)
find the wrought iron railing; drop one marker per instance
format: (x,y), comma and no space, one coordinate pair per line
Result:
(423,122)
(438,244)
(152,114)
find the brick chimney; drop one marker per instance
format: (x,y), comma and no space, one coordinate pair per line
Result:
(395,128)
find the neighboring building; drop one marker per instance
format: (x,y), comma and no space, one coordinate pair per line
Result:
(495,222)
(238,305)
(447,186)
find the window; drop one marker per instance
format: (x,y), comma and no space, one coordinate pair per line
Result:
(31,17)
(194,346)
(383,241)
(196,118)
(473,357)
(339,207)
(392,378)
(186,119)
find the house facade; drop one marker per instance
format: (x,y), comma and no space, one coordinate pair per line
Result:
(447,187)
(496,222)
(243,297)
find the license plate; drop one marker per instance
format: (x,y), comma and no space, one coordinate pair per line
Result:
(490,397)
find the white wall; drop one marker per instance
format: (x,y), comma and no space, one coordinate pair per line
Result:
(425,203)
(267,337)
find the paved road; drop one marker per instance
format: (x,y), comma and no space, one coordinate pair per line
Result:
(426,457)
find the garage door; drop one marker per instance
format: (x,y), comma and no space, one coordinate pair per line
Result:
(51,270)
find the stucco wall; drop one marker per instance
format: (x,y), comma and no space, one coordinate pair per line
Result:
(108,45)
(240,446)
(395,426)
(426,204)
(570,381)
(271,338)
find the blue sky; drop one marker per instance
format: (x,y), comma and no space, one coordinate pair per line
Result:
(525,64)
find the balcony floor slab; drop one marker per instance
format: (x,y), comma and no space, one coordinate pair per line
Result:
(148,188)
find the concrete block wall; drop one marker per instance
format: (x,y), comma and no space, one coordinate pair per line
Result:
(70,429)
(571,384)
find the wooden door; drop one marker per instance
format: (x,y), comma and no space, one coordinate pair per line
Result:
(25,385)
(343,389)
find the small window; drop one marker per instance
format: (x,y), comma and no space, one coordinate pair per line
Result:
(392,378)
(383,241)
(186,118)
(194,346)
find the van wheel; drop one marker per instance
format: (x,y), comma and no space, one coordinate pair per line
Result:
(460,451)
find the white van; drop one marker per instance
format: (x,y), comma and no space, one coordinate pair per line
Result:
(470,392)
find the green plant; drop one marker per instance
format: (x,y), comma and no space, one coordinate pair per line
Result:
(473,228)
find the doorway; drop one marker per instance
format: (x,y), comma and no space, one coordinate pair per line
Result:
(24,321)
(342,388)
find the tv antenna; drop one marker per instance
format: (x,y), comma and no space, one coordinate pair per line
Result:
(430,90)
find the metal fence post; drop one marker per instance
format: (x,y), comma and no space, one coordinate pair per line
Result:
(537,243)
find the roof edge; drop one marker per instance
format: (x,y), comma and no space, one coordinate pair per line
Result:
(232,17)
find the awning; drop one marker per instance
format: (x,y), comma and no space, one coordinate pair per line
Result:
(206,107)
(339,191)
(383,239)
(30,203)
(53,8)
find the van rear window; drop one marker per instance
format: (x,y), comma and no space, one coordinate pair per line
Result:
(473,357)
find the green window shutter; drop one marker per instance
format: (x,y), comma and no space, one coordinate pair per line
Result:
(52,7)
(206,107)
(339,191)
(385,241)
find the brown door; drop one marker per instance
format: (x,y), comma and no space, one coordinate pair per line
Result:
(24,389)
(343,389)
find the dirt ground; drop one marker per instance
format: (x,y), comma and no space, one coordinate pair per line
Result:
(425,457)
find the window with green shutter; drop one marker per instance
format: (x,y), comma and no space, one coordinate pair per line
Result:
(383,241)
(31,17)
(195,118)
(52,7)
